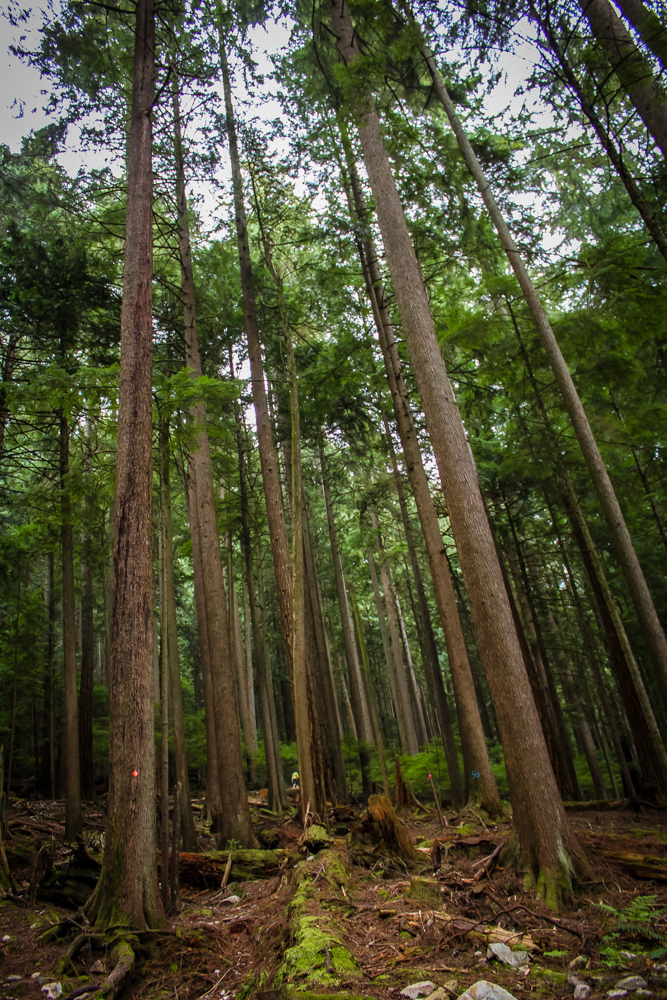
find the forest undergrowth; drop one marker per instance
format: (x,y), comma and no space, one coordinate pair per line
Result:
(342,915)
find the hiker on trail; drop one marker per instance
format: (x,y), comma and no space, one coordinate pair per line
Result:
(295,779)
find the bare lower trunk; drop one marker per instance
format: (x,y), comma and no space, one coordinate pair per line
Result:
(404,707)
(87,678)
(390,666)
(234,822)
(164,732)
(127,892)
(212,780)
(168,613)
(362,721)
(379,742)
(73,821)
(262,667)
(550,854)
(244,703)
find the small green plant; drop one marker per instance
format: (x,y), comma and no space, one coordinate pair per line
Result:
(636,920)
(556,954)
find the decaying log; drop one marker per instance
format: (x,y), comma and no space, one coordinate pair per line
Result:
(640,865)
(208,869)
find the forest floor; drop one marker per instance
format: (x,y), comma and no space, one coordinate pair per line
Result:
(351,920)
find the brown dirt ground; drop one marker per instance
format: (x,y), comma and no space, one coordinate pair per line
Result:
(219,950)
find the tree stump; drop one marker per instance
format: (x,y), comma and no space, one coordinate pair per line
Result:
(383,826)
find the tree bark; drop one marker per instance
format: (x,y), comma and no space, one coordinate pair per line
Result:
(475,754)
(87,675)
(249,734)
(234,821)
(49,749)
(127,892)
(73,821)
(649,27)
(549,851)
(168,613)
(213,800)
(379,742)
(404,706)
(8,364)
(631,67)
(362,722)
(481,788)
(647,616)
(264,681)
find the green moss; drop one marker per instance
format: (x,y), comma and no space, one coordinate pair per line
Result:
(425,890)
(383,894)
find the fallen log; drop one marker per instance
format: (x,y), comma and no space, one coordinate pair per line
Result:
(596,805)
(208,869)
(484,933)
(640,865)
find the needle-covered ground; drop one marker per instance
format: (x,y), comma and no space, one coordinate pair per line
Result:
(344,916)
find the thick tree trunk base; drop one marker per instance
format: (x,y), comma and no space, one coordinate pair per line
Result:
(554,880)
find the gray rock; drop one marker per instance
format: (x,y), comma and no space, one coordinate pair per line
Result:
(505,954)
(627,955)
(484,990)
(439,994)
(97,966)
(644,994)
(631,983)
(14,979)
(53,990)
(615,994)
(582,991)
(230,901)
(415,990)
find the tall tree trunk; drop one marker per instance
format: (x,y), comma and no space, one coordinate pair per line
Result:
(404,708)
(324,678)
(234,822)
(481,788)
(244,702)
(415,699)
(475,754)
(631,67)
(309,781)
(390,666)
(73,821)
(249,670)
(651,218)
(379,742)
(49,748)
(8,364)
(267,452)
(127,892)
(164,727)
(87,676)
(168,612)
(362,721)
(213,801)
(262,669)
(649,27)
(549,852)
(651,627)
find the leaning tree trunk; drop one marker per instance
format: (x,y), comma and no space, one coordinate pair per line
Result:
(234,822)
(481,783)
(647,616)
(73,821)
(550,853)
(127,892)
(631,67)
(649,27)
(651,218)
